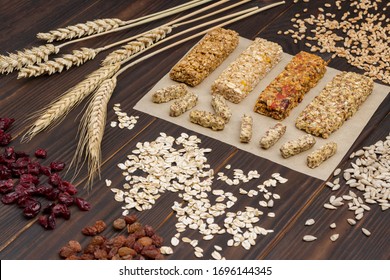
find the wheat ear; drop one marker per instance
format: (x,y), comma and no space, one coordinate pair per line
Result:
(92,129)
(66,61)
(57,110)
(15,61)
(81,29)
(137,45)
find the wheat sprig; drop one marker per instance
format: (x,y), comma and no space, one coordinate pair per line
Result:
(92,129)
(15,61)
(136,46)
(58,109)
(66,61)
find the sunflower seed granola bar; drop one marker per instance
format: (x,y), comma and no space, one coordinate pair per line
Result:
(243,74)
(288,89)
(272,135)
(183,104)
(320,155)
(207,119)
(205,56)
(296,146)
(246,128)
(336,103)
(169,93)
(221,107)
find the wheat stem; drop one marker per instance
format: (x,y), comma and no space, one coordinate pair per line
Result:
(58,109)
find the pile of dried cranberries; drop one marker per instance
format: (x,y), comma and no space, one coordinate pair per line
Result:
(21,183)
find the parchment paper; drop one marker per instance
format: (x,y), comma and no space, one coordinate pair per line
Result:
(344,137)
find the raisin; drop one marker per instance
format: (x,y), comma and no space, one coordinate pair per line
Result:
(66,252)
(119,224)
(138,247)
(145,241)
(118,241)
(100,254)
(97,240)
(151,253)
(134,227)
(149,231)
(157,240)
(126,251)
(100,226)
(89,231)
(75,246)
(130,219)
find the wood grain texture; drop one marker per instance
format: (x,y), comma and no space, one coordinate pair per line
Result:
(302,197)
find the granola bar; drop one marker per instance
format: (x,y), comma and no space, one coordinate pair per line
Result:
(207,55)
(169,93)
(183,104)
(320,155)
(243,74)
(288,89)
(246,128)
(336,103)
(296,146)
(221,107)
(272,135)
(207,119)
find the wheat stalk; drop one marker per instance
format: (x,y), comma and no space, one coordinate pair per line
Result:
(15,61)
(136,46)
(66,61)
(92,129)
(58,109)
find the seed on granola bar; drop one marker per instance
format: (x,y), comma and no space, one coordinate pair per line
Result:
(243,74)
(205,56)
(207,119)
(183,104)
(169,93)
(246,128)
(221,107)
(296,146)
(320,155)
(272,135)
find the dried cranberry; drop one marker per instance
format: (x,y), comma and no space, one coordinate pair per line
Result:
(48,208)
(43,189)
(5,173)
(28,178)
(20,154)
(51,221)
(41,153)
(5,138)
(47,222)
(6,186)
(61,210)
(65,198)
(9,153)
(10,198)
(54,180)
(6,123)
(25,200)
(57,166)
(45,170)
(21,162)
(67,187)
(33,168)
(52,194)
(82,204)
(32,209)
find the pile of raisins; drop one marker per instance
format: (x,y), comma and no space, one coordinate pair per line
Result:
(25,182)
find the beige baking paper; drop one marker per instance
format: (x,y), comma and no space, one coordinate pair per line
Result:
(344,137)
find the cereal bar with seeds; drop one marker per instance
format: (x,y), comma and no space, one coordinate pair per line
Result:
(243,74)
(320,155)
(221,107)
(288,89)
(296,146)
(183,104)
(205,56)
(272,135)
(246,128)
(169,93)
(207,119)
(337,102)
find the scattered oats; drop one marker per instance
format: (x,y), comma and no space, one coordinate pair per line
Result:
(359,216)
(175,241)
(218,248)
(263,203)
(309,238)
(198,254)
(186,240)
(334,237)
(332,225)
(216,255)
(165,250)
(246,244)
(366,232)
(113,124)
(271,214)
(228,166)
(108,183)
(309,222)
(351,222)
(208,237)
(230,242)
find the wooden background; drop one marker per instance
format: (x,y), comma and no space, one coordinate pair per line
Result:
(301,198)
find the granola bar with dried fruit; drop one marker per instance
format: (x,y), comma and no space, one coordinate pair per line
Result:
(272,135)
(243,74)
(288,89)
(337,102)
(296,146)
(205,56)
(320,155)
(169,93)
(207,119)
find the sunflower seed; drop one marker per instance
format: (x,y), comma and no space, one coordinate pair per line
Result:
(366,232)
(334,237)
(309,222)
(309,238)
(332,226)
(351,222)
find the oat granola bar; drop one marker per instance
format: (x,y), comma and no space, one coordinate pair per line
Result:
(246,128)
(221,107)
(288,89)
(243,74)
(296,146)
(272,135)
(320,155)
(183,104)
(207,55)
(337,102)
(207,119)
(169,93)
